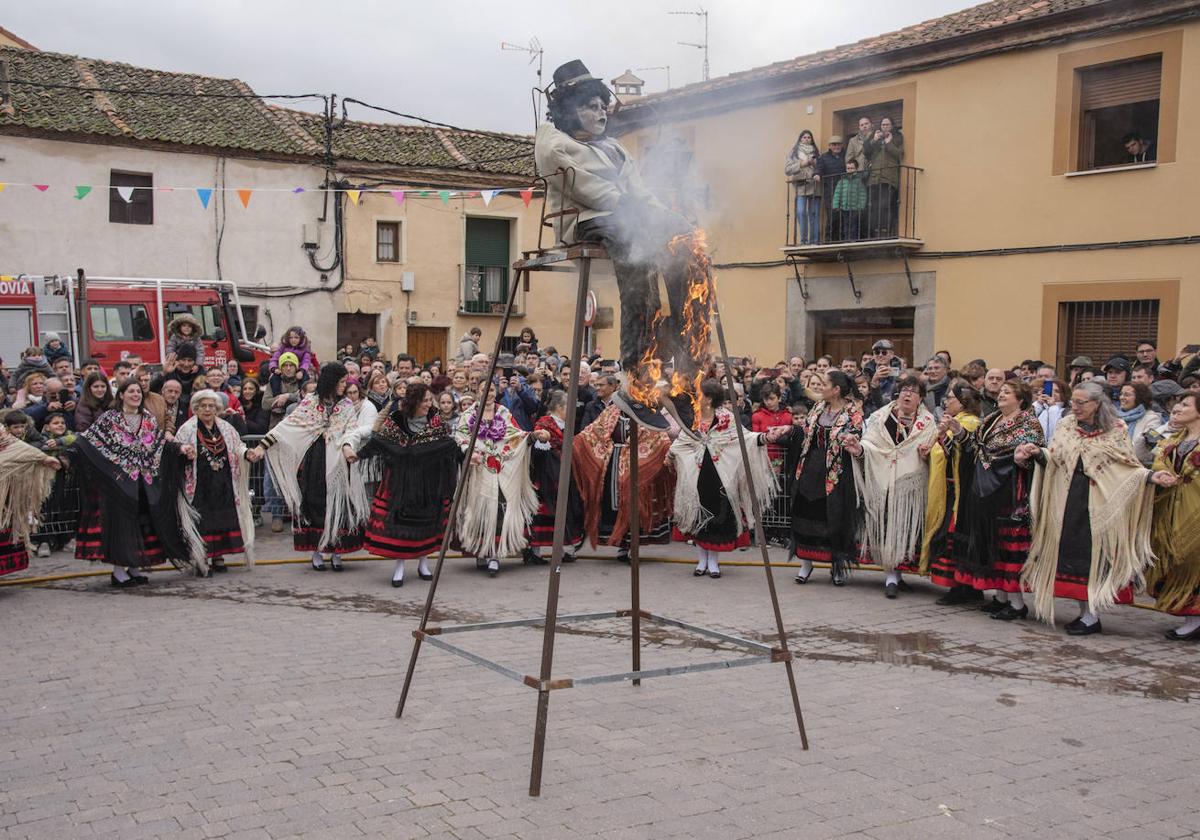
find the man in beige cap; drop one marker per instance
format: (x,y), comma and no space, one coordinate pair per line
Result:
(830,169)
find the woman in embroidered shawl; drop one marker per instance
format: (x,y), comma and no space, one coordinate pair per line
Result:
(545,461)
(712,497)
(420,467)
(993,543)
(944,525)
(1092,507)
(26,476)
(132,514)
(824,506)
(312,469)
(217,484)
(1174,580)
(498,500)
(893,482)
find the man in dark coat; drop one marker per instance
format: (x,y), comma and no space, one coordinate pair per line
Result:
(830,168)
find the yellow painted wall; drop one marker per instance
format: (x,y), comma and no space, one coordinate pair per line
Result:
(984,132)
(433,243)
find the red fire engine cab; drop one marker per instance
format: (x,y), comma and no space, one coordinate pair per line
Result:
(115,318)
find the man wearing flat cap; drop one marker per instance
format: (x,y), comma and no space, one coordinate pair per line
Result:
(830,169)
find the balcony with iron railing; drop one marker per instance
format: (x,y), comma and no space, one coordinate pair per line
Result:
(849,215)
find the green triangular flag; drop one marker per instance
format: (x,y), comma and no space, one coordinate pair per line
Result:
(445,196)
(81,191)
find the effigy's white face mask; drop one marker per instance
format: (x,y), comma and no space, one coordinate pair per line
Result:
(593,117)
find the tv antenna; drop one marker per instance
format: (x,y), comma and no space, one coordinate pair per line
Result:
(666,67)
(701,13)
(536,53)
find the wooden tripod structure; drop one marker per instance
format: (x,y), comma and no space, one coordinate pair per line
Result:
(544,682)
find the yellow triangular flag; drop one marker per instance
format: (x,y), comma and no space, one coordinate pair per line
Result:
(353,195)
(2,186)
(244,195)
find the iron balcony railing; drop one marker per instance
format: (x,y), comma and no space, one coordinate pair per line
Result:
(863,207)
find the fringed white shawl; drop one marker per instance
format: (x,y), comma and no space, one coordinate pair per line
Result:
(346,501)
(25,481)
(721,443)
(892,483)
(504,469)
(235,450)
(1120,506)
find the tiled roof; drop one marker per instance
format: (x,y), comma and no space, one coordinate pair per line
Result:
(991,18)
(223,123)
(424,146)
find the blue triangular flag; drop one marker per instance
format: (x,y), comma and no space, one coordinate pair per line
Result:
(204,195)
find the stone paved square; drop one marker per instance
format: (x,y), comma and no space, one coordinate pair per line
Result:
(259,704)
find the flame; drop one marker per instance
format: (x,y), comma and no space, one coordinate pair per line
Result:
(695,328)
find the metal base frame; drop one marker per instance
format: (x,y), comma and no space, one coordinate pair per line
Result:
(544,682)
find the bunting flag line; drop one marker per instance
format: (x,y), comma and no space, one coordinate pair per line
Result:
(244,193)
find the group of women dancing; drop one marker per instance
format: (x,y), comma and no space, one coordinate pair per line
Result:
(977,504)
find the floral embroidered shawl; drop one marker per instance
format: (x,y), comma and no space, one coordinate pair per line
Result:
(849,421)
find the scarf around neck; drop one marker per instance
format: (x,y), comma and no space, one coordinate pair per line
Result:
(1131,417)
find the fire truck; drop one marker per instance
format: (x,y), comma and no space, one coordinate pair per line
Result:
(115,318)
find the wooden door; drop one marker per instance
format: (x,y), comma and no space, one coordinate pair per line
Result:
(845,334)
(428,343)
(353,327)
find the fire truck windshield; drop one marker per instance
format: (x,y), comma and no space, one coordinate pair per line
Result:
(208,314)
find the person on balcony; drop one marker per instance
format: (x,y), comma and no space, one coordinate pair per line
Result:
(830,171)
(801,170)
(885,152)
(849,203)
(855,149)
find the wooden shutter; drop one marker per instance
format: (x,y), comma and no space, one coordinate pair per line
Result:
(1100,329)
(487,242)
(1121,84)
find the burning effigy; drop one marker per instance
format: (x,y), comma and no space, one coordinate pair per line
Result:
(605,200)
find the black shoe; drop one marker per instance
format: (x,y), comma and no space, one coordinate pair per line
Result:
(838,572)
(1010,613)
(121,584)
(397,583)
(903,586)
(218,565)
(890,590)
(804,578)
(1078,628)
(531,559)
(699,572)
(493,572)
(959,594)
(714,575)
(993,606)
(139,580)
(335,563)
(1183,637)
(623,556)
(568,557)
(424,575)
(318,565)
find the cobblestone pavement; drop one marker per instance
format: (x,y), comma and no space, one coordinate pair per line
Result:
(259,704)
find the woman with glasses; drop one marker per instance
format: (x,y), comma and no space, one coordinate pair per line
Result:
(1091,504)
(995,514)
(943,522)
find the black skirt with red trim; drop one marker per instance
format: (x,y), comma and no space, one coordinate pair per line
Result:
(89,542)
(721,532)
(308,525)
(13,555)
(214,500)
(404,535)
(306,537)
(992,544)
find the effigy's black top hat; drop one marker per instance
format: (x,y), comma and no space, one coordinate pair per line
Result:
(573,73)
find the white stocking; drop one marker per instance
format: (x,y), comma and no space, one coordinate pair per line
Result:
(120,573)
(398,572)
(1000,596)
(1016,600)
(713,562)
(1189,624)
(702,561)
(892,577)
(423,566)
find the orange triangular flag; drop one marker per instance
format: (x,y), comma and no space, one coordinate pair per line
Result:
(244,195)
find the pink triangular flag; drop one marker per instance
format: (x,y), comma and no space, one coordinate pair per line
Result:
(398,195)
(244,195)
(41,187)
(526,196)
